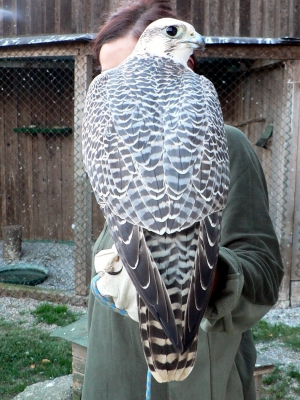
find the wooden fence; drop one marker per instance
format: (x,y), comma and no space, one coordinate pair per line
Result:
(256,18)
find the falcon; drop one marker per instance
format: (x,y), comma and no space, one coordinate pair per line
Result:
(155,151)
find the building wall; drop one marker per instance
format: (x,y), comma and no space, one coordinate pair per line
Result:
(258,18)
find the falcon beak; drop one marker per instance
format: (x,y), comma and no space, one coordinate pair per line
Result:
(196,41)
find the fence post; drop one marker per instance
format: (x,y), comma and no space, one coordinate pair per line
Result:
(295,267)
(82,190)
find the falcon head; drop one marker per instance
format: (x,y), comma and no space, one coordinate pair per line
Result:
(168,37)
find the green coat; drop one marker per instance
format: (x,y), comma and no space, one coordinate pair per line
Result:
(251,271)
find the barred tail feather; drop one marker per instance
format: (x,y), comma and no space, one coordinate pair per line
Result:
(163,361)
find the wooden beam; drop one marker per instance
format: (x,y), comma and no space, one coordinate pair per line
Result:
(41,294)
(239,124)
(295,166)
(250,51)
(61,49)
(295,293)
(82,189)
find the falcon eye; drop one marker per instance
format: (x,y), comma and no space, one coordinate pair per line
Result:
(172,31)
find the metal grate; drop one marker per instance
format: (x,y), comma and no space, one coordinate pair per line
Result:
(255,95)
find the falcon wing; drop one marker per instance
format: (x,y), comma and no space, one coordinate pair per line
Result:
(155,151)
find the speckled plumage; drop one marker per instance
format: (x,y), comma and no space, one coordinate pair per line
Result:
(155,151)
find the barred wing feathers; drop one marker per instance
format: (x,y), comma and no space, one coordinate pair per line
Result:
(155,151)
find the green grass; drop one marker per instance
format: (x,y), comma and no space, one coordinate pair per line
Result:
(287,335)
(282,383)
(55,314)
(29,356)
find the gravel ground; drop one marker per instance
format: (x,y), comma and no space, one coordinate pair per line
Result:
(274,350)
(287,316)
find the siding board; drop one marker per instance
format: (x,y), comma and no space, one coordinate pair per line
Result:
(36,16)
(49,17)
(23,12)
(215,25)
(10,22)
(269,18)
(198,16)
(295,18)
(228,15)
(256,12)
(1,19)
(244,18)
(184,9)
(65,16)
(282,18)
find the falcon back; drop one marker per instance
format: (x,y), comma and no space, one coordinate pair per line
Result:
(155,151)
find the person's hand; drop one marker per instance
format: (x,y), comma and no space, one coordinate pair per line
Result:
(114,281)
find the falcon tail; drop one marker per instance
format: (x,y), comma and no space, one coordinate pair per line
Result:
(163,361)
(173,275)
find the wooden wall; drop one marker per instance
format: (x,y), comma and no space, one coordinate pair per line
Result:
(258,18)
(37,168)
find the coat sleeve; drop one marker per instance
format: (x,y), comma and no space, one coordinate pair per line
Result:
(249,266)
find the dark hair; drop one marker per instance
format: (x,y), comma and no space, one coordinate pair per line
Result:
(132,17)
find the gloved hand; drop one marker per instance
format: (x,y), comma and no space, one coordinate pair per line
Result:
(113,282)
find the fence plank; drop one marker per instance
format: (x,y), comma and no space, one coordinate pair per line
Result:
(24,17)
(269,18)
(65,12)
(197,17)
(183,8)
(244,18)
(49,17)
(294,18)
(275,18)
(10,22)
(36,17)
